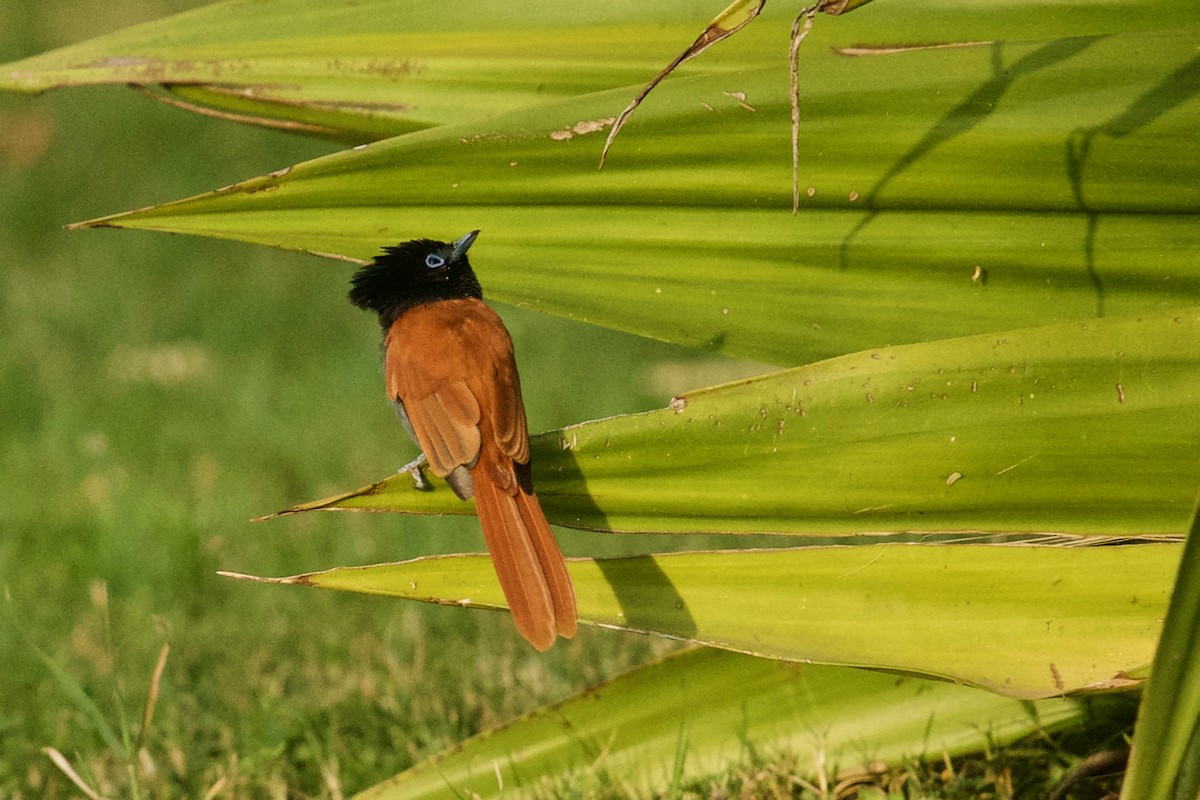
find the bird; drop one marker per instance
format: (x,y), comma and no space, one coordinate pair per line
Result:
(451,376)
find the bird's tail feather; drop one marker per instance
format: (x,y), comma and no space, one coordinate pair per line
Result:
(528,563)
(554,567)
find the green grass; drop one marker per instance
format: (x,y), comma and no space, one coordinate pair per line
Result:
(160,392)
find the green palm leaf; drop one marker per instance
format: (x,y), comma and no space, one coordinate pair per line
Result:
(1082,428)
(687,708)
(366,70)
(1012,185)
(1019,621)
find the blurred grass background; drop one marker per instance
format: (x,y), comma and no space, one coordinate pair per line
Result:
(161,391)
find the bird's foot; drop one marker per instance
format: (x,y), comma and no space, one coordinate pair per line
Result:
(413,468)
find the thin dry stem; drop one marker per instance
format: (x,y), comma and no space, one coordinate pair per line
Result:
(805,19)
(152,696)
(233,116)
(61,762)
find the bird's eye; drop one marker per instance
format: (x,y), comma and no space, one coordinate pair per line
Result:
(434,261)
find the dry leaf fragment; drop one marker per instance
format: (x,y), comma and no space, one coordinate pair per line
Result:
(735,17)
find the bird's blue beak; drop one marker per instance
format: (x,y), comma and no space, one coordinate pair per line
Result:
(462,245)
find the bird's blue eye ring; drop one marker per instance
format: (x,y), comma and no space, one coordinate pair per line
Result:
(434,261)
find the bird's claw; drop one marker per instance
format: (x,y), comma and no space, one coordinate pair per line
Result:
(413,468)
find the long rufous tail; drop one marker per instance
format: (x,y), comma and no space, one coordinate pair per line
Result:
(528,563)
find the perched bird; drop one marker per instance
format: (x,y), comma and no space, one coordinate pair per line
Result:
(452,379)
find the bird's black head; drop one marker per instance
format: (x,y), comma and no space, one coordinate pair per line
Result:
(420,271)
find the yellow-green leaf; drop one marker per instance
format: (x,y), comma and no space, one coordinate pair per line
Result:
(1017,620)
(1011,185)
(365,70)
(688,707)
(1081,428)
(1164,761)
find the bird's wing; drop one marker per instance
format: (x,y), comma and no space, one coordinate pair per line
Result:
(451,365)
(507,411)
